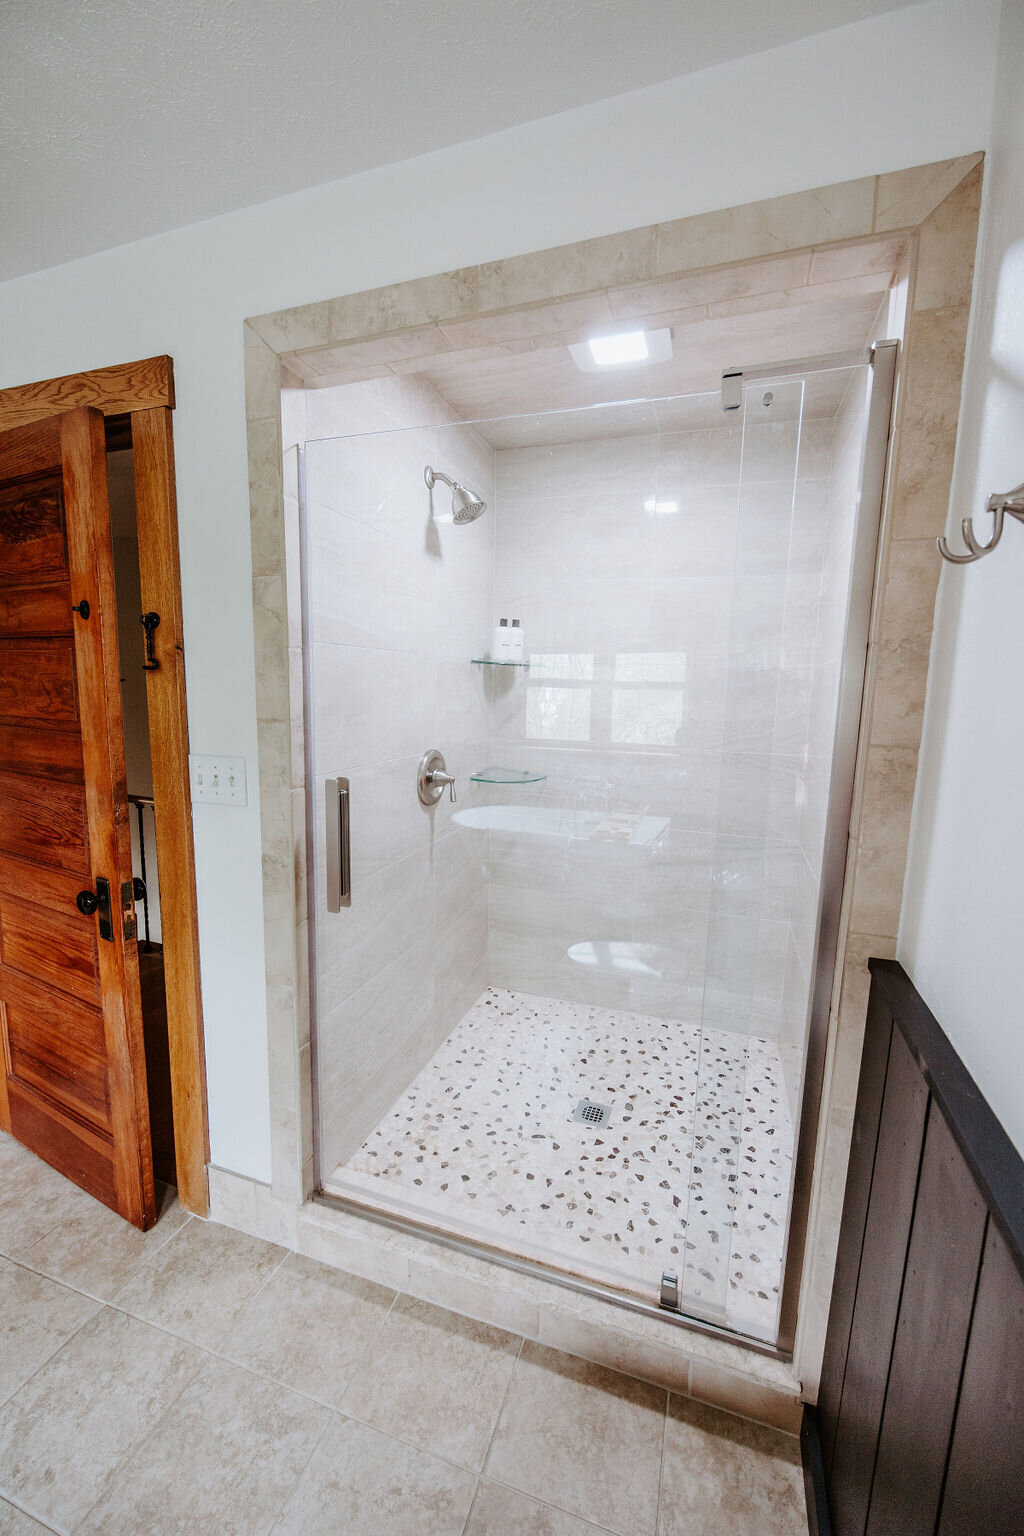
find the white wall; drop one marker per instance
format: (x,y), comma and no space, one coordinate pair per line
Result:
(963,915)
(899,90)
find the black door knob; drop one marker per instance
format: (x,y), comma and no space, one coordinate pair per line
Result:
(87,902)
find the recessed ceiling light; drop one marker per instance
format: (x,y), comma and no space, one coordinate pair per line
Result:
(628,347)
(622,349)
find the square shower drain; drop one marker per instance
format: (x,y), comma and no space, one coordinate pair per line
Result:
(592,1114)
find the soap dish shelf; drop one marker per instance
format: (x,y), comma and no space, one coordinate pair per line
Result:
(507,775)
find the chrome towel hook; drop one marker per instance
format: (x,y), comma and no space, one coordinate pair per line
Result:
(1010,501)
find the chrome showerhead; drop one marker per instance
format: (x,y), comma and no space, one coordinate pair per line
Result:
(466,505)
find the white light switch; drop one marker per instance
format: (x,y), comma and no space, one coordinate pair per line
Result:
(220,780)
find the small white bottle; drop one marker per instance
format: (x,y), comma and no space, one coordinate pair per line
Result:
(499,645)
(516,642)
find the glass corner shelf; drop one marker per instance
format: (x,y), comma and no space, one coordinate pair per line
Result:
(486,661)
(506,775)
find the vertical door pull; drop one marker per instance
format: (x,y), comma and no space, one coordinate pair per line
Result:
(149,622)
(339,866)
(104,913)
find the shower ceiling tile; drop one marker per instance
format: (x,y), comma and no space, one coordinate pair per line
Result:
(822,293)
(838,212)
(709,287)
(865,256)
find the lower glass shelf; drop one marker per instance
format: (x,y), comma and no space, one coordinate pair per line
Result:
(506,776)
(487,661)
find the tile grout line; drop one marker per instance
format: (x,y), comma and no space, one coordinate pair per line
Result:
(661,1470)
(504,1400)
(9,1498)
(80,1290)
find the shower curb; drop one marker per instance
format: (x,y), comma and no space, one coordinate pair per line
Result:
(689,1363)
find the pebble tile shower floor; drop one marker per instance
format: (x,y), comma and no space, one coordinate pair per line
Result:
(691,1173)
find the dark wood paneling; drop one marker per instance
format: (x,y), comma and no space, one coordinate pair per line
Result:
(35,610)
(886,1236)
(985,1482)
(935,1315)
(37,682)
(866,1120)
(45,821)
(923,1393)
(57,1048)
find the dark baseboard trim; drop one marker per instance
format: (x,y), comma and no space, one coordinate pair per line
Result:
(819,1522)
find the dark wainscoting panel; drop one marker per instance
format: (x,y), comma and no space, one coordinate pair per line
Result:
(919,1429)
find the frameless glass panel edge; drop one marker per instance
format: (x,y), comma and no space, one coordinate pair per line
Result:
(837,827)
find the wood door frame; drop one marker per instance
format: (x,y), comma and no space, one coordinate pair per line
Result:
(141,396)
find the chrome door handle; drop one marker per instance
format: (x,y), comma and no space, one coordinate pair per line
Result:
(339,863)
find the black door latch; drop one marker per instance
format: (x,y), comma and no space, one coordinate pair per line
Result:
(149,622)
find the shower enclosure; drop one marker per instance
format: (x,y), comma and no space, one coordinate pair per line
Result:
(569,1004)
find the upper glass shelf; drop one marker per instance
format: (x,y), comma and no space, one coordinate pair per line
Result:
(506,775)
(486,661)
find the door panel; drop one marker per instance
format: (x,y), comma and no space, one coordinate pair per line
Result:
(43,821)
(44,610)
(37,681)
(54,947)
(70,1010)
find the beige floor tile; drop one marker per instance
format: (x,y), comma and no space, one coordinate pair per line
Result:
(583,1438)
(198,1284)
(363,1483)
(13,1522)
(95,1250)
(223,1459)
(310,1327)
(726,1477)
(37,1316)
(499,1511)
(99,1396)
(435,1379)
(34,1198)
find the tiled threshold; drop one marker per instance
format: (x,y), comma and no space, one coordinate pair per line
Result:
(692,1363)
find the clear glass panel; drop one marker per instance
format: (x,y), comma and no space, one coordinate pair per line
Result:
(623,912)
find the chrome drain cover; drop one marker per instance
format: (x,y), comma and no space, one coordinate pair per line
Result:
(592,1114)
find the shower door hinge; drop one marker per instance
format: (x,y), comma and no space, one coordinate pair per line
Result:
(732,389)
(669,1296)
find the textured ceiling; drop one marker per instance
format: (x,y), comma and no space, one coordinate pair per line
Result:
(122,118)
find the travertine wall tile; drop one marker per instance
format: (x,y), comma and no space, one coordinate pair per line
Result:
(906,198)
(928,428)
(262,377)
(423,301)
(882,844)
(607,261)
(288,330)
(946,247)
(840,212)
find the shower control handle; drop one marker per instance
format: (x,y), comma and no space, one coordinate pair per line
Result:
(432,777)
(339,863)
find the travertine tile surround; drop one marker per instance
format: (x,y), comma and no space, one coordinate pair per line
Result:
(937,206)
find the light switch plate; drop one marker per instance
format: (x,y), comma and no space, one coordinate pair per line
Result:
(219,780)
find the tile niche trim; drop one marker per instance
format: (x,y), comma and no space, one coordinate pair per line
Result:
(936,208)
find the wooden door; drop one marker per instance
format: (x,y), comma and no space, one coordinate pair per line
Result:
(73,1084)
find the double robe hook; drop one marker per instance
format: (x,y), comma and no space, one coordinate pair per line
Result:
(1010,501)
